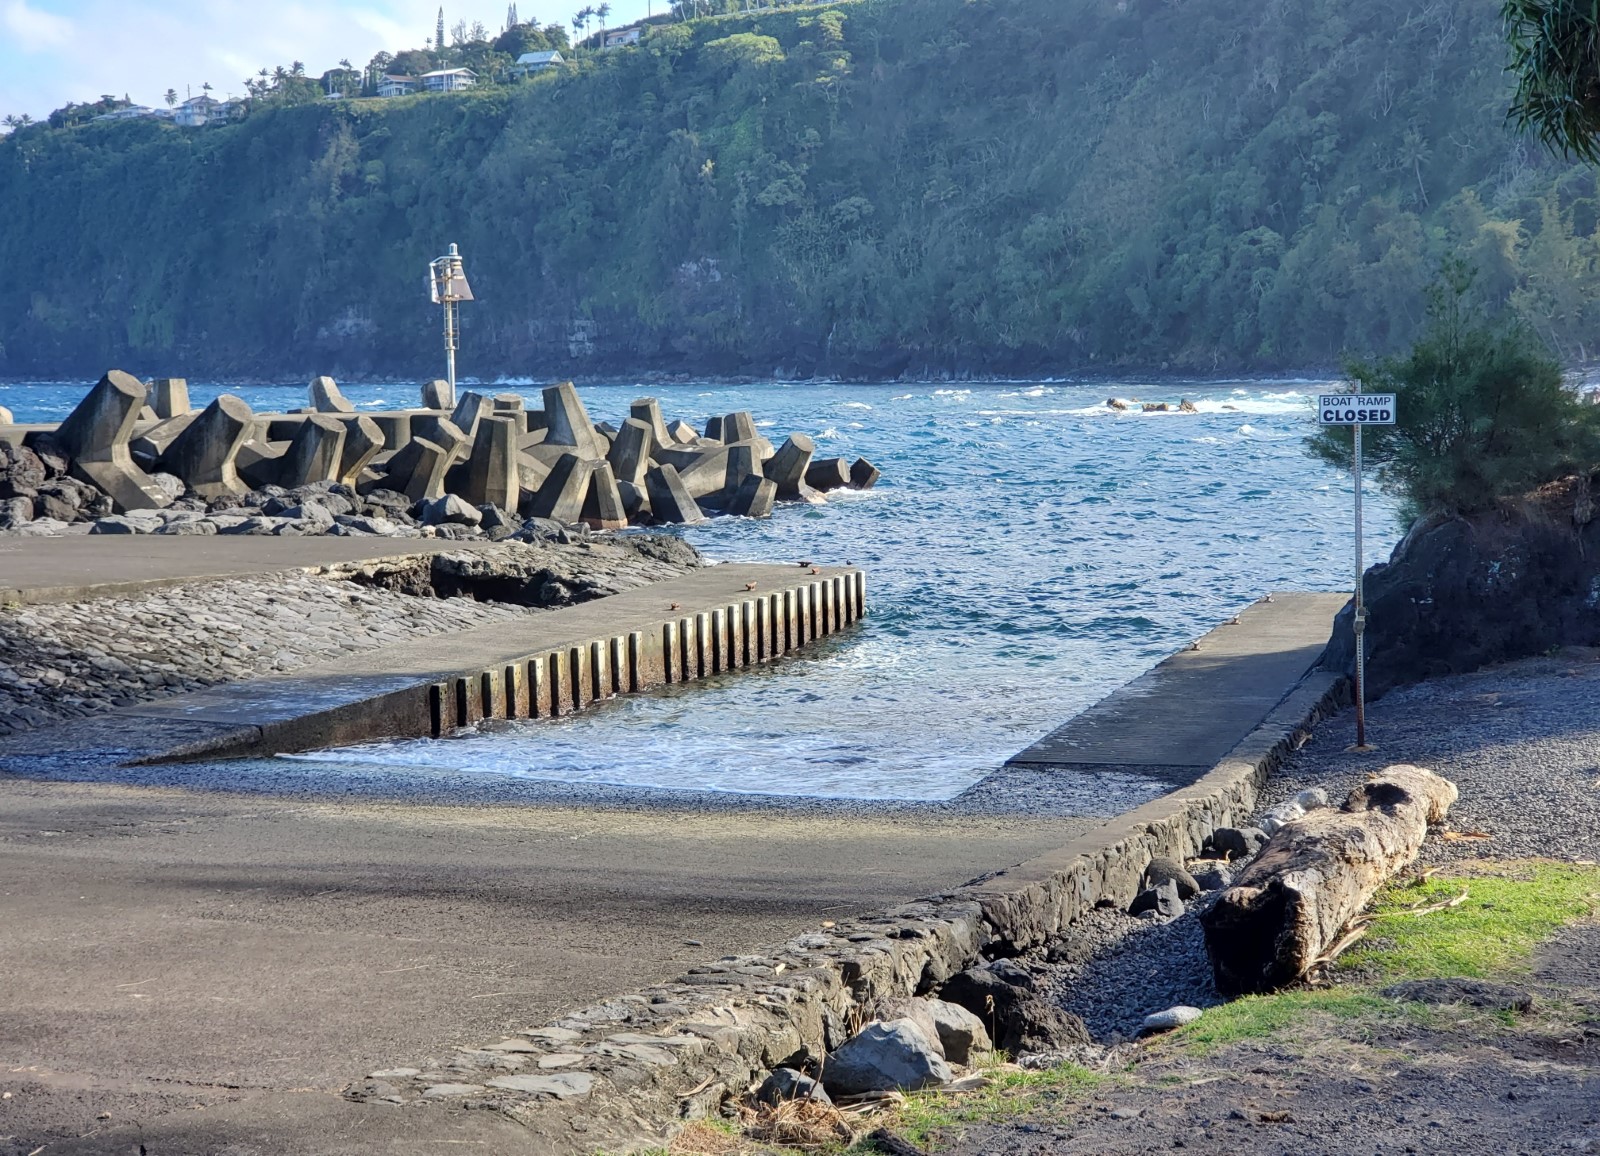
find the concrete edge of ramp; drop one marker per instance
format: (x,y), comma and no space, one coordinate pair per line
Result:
(643,1064)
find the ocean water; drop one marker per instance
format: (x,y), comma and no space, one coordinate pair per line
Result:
(1028,551)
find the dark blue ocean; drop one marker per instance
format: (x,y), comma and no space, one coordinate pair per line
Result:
(1028,551)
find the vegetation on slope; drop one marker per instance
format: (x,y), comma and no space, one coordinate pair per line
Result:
(879,187)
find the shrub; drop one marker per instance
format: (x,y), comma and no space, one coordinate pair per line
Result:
(1482,411)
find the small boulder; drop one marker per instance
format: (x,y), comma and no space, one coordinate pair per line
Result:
(961,1033)
(449,509)
(15,511)
(1163,899)
(119,524)
(1235,842)
(1311,798)
(788,1084)
(1018,1018)
(314,518)
(1212,874)
(1173,1017)
(169,484)
(1163,870)
(884,1057)
(1281,815)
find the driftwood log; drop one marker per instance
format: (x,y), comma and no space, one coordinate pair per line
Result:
(1315,875)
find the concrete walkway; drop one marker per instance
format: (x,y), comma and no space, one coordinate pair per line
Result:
(1182,717)
(79,567)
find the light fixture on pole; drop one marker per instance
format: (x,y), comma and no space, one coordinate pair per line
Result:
(447,283)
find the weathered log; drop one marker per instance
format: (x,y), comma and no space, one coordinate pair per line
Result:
(1315,875)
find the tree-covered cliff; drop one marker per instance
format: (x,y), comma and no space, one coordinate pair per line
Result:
(880,187)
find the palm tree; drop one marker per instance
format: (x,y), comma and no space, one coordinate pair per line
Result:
(171,97)
(1555,56)
(602,12)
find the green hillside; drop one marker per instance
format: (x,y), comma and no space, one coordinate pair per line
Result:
(880,187)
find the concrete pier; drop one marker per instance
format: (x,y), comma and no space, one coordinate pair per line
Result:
(1184,716)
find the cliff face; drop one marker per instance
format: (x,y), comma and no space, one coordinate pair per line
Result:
(1462,593)
(874,188)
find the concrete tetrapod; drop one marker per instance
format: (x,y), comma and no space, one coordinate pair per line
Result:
(492,475)
(169,397)
(568,424)
(438,394)
(754,498)
(787,468)
(863,474)
(95,437)
(418,469)
(670,501)
(828,474)
(471,409)
(648,410)
(151,443)
(630,453)
(314,454)
(326,398)
(562,495)
(739,426)
(203,454)
(363,441)
(603,508)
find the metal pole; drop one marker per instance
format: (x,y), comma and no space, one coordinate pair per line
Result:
(450,344)
(1361,612)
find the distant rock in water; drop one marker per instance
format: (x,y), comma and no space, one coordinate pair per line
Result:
(1459,593)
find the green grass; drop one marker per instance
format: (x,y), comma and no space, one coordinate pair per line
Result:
(1510,909)
(1011,1093)
(1254,1016)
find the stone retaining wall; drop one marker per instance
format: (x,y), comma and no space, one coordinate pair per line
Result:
(621,1075)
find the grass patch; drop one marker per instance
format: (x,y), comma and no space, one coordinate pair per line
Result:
(1011,1094)
(1253,1016)
(1510,909)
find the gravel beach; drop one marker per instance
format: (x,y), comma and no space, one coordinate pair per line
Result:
(1522,742)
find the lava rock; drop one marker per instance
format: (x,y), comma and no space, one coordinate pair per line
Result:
(1163,870)
(449,510)
(118,524)
(22,471)
(883,1057)
(1212,874)
(788,1084)
(1019,1020)
(1236,843)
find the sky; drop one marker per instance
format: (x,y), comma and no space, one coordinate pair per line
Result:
(55,51)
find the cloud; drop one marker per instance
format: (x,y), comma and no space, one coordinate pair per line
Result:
(34,30)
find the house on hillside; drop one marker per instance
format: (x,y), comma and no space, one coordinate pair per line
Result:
(622,37)
(397,86)
(531,62)
(202,110)
(449,79)
(131,112)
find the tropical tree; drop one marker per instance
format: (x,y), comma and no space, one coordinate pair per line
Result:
(602,11)
(17,120)
(171,97)
(1555,57)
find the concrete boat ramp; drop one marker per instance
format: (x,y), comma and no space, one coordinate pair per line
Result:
(554,663)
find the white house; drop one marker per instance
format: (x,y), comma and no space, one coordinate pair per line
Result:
(397,86)
(531,62)
(201,110)
(449,79)
(622,37)
(131,112)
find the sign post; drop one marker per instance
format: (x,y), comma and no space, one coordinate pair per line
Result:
(1357,410)
(447,285)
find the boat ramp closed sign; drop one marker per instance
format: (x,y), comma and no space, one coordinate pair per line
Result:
(1356,409)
